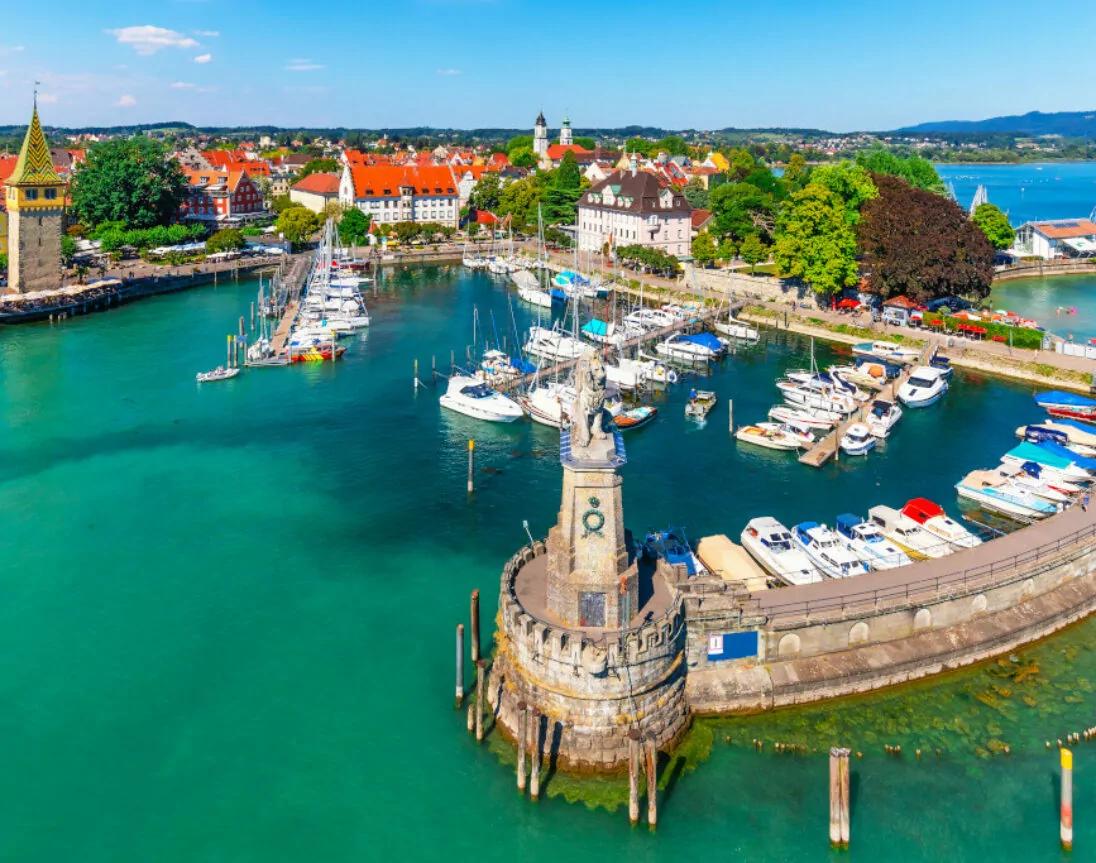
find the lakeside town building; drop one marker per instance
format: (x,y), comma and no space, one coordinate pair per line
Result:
(228,197)
(1056,238)
(316,191)
(34,197)
(634,208)
(402,193)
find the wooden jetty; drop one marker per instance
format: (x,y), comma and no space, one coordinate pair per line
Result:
(826,448)
(286,296)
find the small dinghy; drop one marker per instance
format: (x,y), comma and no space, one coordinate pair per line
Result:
(635,418)
(700,404)
(218,374)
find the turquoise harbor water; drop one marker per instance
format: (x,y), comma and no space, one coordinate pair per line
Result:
(228,611)
(1051,190)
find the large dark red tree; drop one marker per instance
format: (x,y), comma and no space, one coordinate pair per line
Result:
(921,244)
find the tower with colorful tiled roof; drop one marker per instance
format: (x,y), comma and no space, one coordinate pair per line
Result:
(35,198)
(540,136)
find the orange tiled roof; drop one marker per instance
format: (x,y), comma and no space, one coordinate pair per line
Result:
(319,184)
(556,151)
(1078,228)
(385,181)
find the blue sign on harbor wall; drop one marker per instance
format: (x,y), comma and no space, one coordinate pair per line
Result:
(733,645)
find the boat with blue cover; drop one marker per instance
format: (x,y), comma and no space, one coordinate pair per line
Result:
(866,541)
(1054,466)
(999,494)
(1059,403)
(697,347)
(825,551)
(672,545)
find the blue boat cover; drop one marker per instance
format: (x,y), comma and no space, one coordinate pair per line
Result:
(1057,397)
(557,294)
(847,521)
(1035,452)
(1077,424)
(804,526)
(596,328)
(1032,469)
(706,339)
(1061,451)
(523,366)
(1038,434)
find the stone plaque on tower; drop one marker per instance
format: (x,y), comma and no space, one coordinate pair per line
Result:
(592,580)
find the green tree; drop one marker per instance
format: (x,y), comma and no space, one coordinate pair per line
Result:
(485,194)
(994,225)
(130,181)
(753,251)
(742,163)
(916,171)
(674,145)
(851,183)
(815,242)
(473,229)
(696,194)
(225,240)
(68,249)
(727,251)
(282,203)
(522,157)
(519,201)
(517,143)
(3,262)
(568,175)
(407,231)
(563,192)
(796,169)
(354,227)
(318,166)
(739,209)
(297,224)
(704,249)
(639,145)
(585,142)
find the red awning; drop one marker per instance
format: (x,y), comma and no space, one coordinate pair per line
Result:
(848,304)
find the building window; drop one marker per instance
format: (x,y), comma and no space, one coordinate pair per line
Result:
(31,194)
(51,194)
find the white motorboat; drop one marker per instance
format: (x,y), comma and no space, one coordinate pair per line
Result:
(812,419)
(536,297)
(907,534)
(883,417)
(218,374)
(858,439)
(691,348)
(925,386)
(610,333)
(889,351)
(736,329)
(825,552)
(1055,469)
(650,319)
(551,344)
(999,494)
(932,518)
(472,397)
(865,541)
(629,374)
(656,372)
(550,403)
(824,382)
(525,279)
(1033,481)
(767,438)
(799,433)
(801,397)
(770,544)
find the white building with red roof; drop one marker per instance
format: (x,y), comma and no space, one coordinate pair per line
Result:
(316,191)
(402,193)
(222,196)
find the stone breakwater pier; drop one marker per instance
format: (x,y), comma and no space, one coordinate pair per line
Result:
(605,651)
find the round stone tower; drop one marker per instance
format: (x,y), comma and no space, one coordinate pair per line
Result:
(589,636)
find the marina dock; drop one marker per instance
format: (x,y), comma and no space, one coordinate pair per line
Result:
(285,297)
(827,447)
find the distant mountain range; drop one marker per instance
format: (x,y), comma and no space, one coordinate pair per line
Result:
(1071,124)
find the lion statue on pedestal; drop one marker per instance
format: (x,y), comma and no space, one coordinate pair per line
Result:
(589,418)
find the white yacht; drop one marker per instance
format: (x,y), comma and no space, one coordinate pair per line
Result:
(700,347)
(925,386)
(799,396)
(933,519)
(858,440)
(907,534)
(821,546)
(472,397)
(770,544)
(736,329)
(883,417)
(817,420)
(551,344)
(650,319)
(866,542)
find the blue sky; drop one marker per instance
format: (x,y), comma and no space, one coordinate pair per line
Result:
(467,63)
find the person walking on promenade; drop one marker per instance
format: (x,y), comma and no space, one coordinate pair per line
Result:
(1084,502)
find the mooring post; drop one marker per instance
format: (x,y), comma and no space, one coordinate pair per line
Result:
(534,757)
(475,625)
(652,783)
(242,330)
(835,797)
(252,315)
(479,699)
(460,664)
(845,802)
(471,463)
(1067,800)
(471,717)
(415,378)
(228,352)
(633,776)
(523,734)
(730,414)
(434,369)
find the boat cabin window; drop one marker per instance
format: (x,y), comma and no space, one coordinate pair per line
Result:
(478,391)
(920,382)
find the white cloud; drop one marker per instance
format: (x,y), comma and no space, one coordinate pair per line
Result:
(302,65)
(127,101)
(147,39)
(448,71)
(208,34)
(184,85)
(47,98)
(203,58)
(10,49)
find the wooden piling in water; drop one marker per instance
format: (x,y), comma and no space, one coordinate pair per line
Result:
(460,664)
(835,798)
(730,414)
(471,717)
(534,757)
(471,464)
(415,375)
(242,330)
(652,783)
(475,615)
(479,699)
(523,734)
(1066,825)
(843,764)
(228,352)
(252,315)
(633,776)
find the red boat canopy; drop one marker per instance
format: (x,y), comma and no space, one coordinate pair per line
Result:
(921,510)
(848,303)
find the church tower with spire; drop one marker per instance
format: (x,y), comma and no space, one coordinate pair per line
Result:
(540,137)
(565,138)
(35,199)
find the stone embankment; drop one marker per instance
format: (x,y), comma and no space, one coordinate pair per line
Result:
(1040,269)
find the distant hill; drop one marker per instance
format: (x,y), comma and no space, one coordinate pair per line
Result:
(1070,124)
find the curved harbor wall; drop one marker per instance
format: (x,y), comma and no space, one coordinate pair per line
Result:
(838,639)
(592,688)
